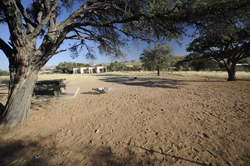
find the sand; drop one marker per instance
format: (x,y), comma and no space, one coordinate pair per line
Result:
(166,120)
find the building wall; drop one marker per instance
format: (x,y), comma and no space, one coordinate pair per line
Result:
(82,70)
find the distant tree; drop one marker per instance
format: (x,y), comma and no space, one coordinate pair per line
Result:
(201,64)
(67,67)
(87,65)
(4,73)
(247,60)
(116,66)
(158,57)
(136,67)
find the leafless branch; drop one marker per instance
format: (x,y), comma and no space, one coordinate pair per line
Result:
(59,52)
(6,49)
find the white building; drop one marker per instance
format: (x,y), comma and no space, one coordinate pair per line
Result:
(96,69)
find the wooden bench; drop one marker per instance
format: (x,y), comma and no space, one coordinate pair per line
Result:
(57,86)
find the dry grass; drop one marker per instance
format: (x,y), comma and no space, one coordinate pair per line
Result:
(4,80)
(211,74)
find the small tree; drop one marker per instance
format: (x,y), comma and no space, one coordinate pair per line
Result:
(157,57)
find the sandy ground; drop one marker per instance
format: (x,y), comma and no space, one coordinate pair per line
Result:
(167,120)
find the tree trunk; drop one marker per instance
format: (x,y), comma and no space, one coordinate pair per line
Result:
(158,70)
(231,73)
(19,100)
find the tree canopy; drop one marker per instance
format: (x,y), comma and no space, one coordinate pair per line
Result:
(158,57)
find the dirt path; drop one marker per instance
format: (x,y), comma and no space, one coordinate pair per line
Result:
(170,120)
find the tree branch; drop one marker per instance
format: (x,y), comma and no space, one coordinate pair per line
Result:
(6,49)
(106,23)
(39,15)
(45,20)
(77,14)
(16,28)
(25,15)
(59,52)
(84,38)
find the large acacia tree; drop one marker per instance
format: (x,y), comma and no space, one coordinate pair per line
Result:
(226,50)
(106,22)
(223,37)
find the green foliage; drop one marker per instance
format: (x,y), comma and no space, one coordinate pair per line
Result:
(136,67)
(67,67)
(247,61)
(158,57)
(115,66)
(4,73)
(202,65)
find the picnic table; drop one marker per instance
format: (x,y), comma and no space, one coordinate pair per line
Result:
(57,86)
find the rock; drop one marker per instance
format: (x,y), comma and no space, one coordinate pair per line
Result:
(37,157)
(68,131)
(96,131)
(91,141)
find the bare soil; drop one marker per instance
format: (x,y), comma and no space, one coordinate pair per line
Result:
(166,120)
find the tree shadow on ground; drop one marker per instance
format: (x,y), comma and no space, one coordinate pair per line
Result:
(29,152)
(115,75)
(91,93)
(106,157)
(151,151)
(146,82)
(156,81)
(20,153)
(34,152)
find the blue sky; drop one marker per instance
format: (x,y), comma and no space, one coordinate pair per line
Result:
(133,54)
